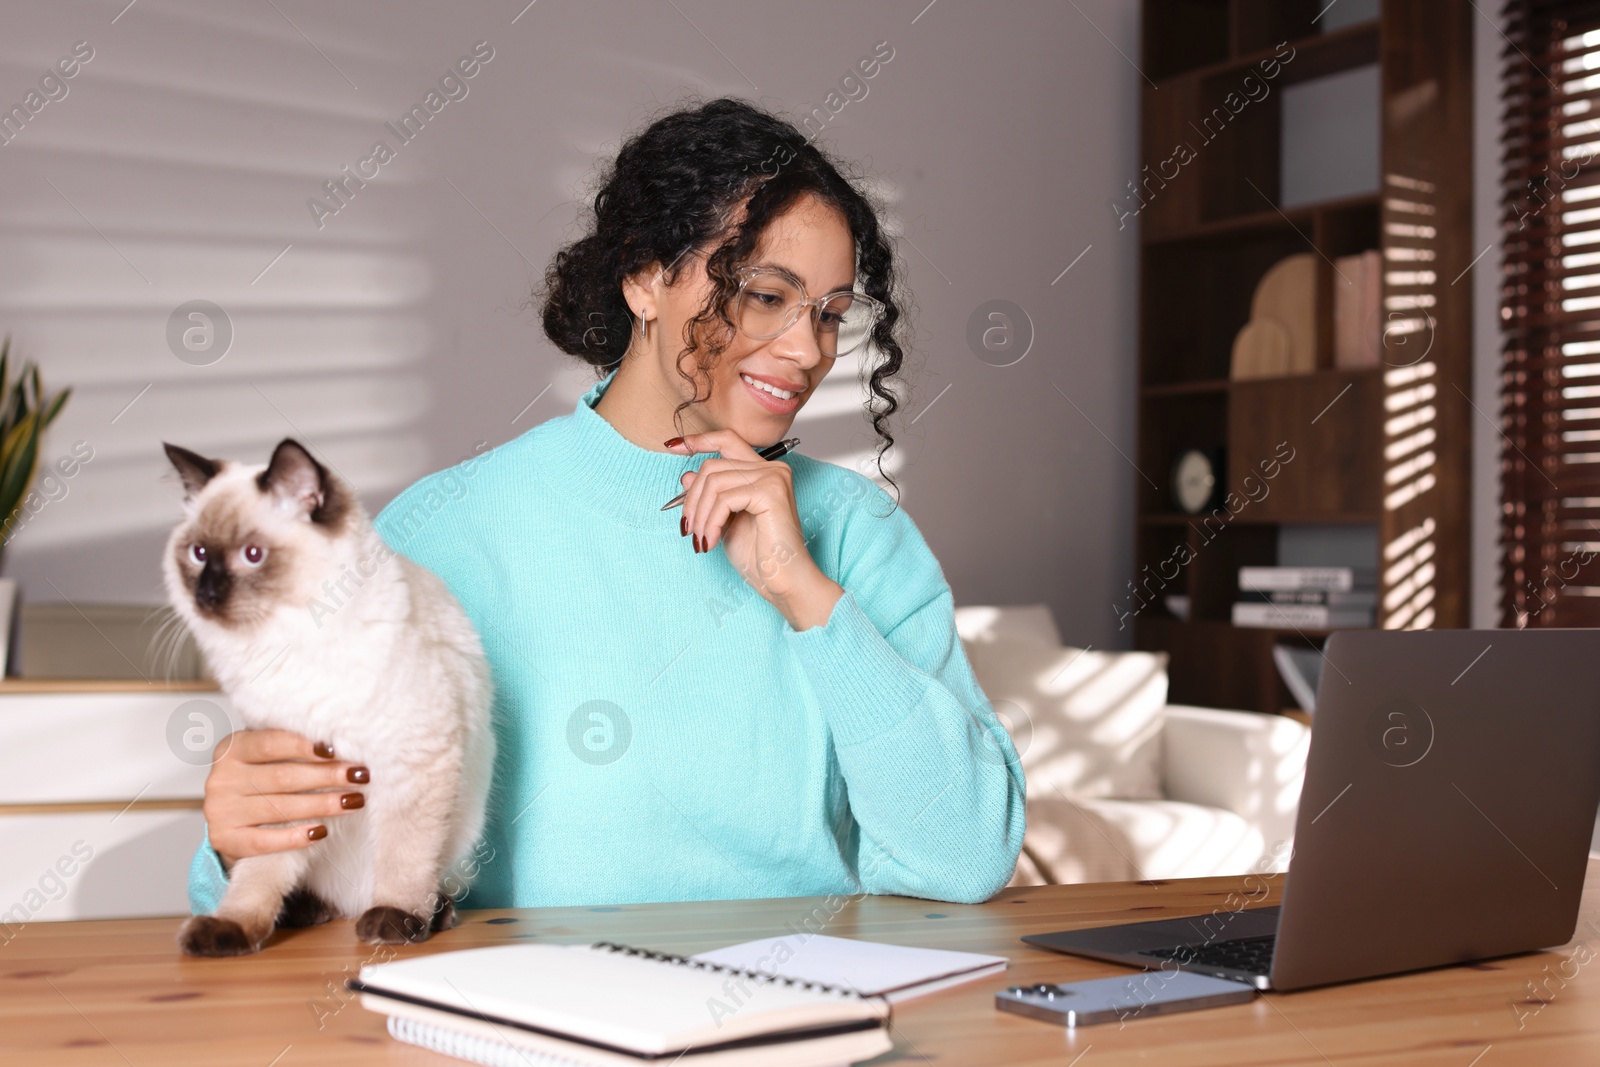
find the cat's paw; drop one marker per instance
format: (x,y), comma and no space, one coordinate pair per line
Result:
(207,935)
(445,917)
(304,908)
(386,925)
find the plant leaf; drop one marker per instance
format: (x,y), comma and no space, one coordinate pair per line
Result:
(19,454)
(54,407)
(5,384)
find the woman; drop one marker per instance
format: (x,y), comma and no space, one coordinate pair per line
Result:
(761,695)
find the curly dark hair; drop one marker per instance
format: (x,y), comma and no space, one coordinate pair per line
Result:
(675,187)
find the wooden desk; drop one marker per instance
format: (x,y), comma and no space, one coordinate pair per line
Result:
(117,993)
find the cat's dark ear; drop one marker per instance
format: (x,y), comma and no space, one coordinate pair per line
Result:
(195,469)
(301,483)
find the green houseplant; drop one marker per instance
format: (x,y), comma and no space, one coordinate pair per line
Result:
(25,412)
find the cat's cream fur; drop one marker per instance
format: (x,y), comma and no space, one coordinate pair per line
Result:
(336,637)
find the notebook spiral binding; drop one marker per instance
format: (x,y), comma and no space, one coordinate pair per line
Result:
(721,968)
(473,1048)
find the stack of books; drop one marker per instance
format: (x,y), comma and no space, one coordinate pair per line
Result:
(1307,598)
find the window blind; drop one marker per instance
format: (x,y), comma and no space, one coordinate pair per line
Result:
(1550,314)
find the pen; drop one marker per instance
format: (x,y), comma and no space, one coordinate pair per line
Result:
(782,448)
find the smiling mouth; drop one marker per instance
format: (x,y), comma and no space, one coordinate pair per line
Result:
(778,401)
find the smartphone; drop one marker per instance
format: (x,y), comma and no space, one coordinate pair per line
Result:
(1123,998)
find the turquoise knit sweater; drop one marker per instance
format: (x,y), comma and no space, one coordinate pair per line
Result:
(664,733)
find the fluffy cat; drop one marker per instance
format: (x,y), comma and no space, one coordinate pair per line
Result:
(312,624)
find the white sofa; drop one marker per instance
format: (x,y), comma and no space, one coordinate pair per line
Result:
(1220,790)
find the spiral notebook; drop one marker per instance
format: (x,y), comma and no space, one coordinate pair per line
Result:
(611,1005)
(873,969)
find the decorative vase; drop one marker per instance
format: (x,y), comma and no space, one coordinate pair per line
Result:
(8,613)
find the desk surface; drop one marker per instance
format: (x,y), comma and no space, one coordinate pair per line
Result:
(117,993)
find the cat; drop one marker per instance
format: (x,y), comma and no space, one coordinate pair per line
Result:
(312,624)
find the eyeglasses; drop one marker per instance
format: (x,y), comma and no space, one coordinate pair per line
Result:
(769,301)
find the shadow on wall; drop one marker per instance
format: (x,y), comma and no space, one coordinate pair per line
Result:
(218,241)
(147,874)
(162,260)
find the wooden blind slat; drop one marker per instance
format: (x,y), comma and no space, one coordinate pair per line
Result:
(1550,480)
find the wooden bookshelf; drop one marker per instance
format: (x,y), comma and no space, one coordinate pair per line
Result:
(1206,238)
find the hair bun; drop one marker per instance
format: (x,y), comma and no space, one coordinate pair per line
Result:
(584,313)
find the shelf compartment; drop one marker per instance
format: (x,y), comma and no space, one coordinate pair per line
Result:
(1225,547)
(1195,388)
(1162,570)
(1333,423)
(1316,55)
(1261,24)
(1181,35)
(1220,665)
(1350,223)
(1172,425)
(1197,296)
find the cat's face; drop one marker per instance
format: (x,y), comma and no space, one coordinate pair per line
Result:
(253,540)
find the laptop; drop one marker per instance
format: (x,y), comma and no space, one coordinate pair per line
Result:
(1449,800)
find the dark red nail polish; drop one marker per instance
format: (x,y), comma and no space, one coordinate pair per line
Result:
(683,525)
(323,749)
(697,542)
(673,442)
(317,833)
(359,775)
(351,801)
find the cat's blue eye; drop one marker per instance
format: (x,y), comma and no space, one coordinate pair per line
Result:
(198,554)
(252,555)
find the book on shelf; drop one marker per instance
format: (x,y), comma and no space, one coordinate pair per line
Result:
(1285,579)
(1357,311)
(1356,598)
(1300,616)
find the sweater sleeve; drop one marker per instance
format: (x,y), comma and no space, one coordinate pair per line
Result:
(934,782)
(207,880)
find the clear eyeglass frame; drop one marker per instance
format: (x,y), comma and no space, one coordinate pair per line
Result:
(864,312)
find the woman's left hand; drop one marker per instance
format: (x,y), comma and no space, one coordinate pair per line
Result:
(746,504)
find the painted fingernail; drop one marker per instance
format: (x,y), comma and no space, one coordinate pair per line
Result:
(351,801)
(699,546)
(359,775)
(683,525)
(317,833)
(673,442)
(323,749)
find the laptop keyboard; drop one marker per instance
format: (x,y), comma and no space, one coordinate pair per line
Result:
(1253,955)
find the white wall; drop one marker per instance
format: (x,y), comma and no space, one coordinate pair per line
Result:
(179,165)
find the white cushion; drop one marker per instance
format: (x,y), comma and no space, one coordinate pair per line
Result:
(1247,762)
(1019,622)
(1081,840)
(1085,722)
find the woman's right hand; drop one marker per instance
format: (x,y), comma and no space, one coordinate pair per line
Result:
(260,777)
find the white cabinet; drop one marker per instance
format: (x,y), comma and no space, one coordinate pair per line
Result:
(100,790)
